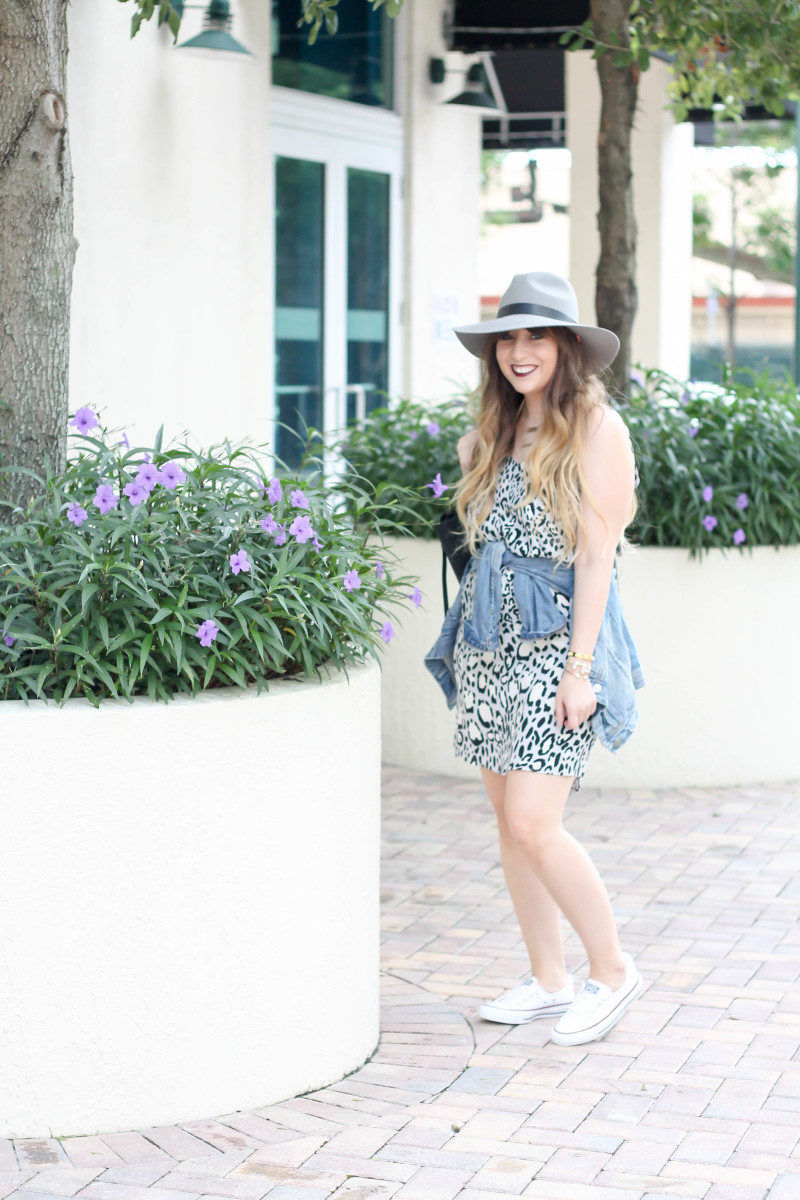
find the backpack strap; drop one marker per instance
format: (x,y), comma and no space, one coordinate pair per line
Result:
(444,582)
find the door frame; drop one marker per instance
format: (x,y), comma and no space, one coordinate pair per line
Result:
(341,134)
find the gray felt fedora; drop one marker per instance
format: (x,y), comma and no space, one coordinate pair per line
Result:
(537,299)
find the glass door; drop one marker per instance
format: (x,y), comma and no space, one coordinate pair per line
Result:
(337,277)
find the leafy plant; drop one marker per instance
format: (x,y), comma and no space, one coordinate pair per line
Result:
(145,571)
(718,466)
(408,444)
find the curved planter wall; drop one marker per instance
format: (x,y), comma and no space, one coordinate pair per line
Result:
(189,897)
(720,648)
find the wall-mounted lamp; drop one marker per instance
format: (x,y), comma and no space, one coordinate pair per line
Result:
(476,93)
(216,35)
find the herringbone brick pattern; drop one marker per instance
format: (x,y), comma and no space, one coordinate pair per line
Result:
(695,1094)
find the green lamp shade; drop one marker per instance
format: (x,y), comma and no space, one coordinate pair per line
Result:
(214,39)
(217,21)
(476,95)
(474,100)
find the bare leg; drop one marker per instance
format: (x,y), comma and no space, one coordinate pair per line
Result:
(533,808)
(538,914)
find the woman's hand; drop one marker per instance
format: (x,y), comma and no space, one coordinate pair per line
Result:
(575,701)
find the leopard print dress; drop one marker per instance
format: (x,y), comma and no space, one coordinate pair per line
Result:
(505,698)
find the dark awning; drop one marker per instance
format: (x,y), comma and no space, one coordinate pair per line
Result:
(531,89)
(473,25)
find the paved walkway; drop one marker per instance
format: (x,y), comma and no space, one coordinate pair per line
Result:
(695,1094)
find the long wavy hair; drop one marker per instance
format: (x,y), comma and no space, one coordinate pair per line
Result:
(554,463)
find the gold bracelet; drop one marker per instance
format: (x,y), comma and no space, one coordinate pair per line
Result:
(577,654)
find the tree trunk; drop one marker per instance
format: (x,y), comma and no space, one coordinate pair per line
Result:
(37,247)
(615,294)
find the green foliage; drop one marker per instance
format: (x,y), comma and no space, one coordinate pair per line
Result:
(145,10)
(112,606)
(317,12)
(701,219)
(747,440)
(741,437)
(406,444)
(774,237)
(726,54)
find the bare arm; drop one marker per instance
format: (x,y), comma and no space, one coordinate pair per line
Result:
(466,448)
(609,471)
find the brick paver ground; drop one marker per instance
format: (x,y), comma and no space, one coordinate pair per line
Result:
(695,1094)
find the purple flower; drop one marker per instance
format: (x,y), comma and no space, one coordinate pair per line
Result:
(438,487)
(351,579)
(637,376)
(171,474)
(708,492)
(147,476)
(416,596)
(709,522)
(694,427)
(123,441)
(274,491)
(742,500)
(685,397)
(135,491)
(84,419)
(9,639)
(432,428)
(738,536)
(76,514)
(387,632)
(298,499)
(239,562)
(280,535)
(269,524)
(413,436)
(207,632)
(317,544)
(105,498)
(301,530)
(379,570)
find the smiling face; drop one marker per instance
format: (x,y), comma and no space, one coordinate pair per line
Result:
(527,358)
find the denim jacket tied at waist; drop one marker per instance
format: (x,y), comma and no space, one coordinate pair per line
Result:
(615,671)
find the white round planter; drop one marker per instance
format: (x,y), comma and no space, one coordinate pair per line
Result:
(719,643)
(189,896)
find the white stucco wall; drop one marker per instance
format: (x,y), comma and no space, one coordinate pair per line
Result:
(712,712)
(190,900)
(662,192)
(442,210)
(172,298)
(171,312)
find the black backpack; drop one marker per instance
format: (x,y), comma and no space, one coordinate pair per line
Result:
(451,533)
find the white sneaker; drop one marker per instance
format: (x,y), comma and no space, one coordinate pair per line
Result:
(527,1001)
(597,1008)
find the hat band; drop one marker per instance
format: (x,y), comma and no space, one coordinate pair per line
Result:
(534,310)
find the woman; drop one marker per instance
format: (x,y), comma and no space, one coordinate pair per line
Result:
(534,654)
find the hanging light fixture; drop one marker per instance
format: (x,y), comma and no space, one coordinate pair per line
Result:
(216,36)
(476,93)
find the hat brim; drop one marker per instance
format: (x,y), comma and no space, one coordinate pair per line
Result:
(602,344)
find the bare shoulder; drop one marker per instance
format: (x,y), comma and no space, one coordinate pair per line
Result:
(466,447)
(608,435)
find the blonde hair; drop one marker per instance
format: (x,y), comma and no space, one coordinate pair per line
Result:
(554,464)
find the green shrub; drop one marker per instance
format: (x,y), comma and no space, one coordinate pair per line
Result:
(718,465)
(741,441)
(405,446)
(181,585)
